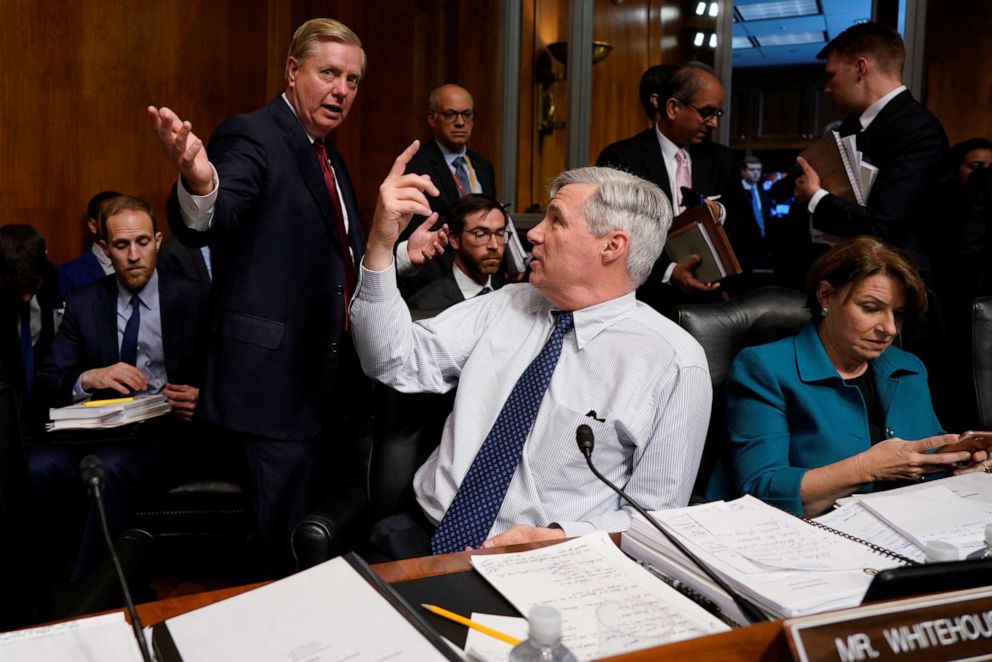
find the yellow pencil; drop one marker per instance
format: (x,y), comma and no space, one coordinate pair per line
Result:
(452,616)
(112,401)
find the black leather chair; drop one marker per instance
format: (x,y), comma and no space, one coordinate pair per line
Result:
(724,329)
(981,357)
(406,429)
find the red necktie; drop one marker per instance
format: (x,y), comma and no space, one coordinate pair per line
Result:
(332,190)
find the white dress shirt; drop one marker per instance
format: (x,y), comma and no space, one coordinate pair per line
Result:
(449,158)
(636,378)
(469,288)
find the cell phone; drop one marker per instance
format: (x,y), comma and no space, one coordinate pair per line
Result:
(971,441)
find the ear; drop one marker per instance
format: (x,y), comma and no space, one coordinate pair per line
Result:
(862,65)
(106,248)
(615,247)
(823,293)
(671,108)
(158,241)
(454,240)
(431,118)
(92,226)
(653,100)
(292,68)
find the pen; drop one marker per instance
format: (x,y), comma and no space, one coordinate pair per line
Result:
(112,401)
(452,616)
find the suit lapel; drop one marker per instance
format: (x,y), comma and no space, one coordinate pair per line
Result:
(878,129)
(356,236)
(653,160)
(105,320)
(440,172)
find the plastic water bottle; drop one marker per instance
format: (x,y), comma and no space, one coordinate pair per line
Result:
(543,643)
(987,552)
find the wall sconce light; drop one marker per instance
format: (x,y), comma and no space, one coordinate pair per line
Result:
(547,77)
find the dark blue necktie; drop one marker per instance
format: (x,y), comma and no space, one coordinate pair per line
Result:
(484,290)
(129,343)
(478,500)
(27,349)
(461,172)
(756,205)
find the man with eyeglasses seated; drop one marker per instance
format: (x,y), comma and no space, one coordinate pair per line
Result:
(477,234)
(685,105)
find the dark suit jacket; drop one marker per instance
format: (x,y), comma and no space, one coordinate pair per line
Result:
(908,146)
(83,270)
(277,305)
(439,295)
(87,337)
(183,261)
(430,161)
(713,173)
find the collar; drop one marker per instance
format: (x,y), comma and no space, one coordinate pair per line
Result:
(148,294)
(668,148)
(448,155)
(814,365)
(102,258)
(293,110)
(468,286)
(590,321)
(873,110)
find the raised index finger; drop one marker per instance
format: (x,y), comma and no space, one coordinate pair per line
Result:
(804,164)
(399,165)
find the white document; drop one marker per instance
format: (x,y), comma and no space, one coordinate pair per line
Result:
(93,639)
(974,486)
(481,647)
(935,513)
(856,520)
(590,581)
(327,613)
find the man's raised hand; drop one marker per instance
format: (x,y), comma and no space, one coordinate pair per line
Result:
(184,150)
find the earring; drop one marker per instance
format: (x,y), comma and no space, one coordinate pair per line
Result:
(823,312)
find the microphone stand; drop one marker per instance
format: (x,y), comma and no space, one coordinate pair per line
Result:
(586,440)
(92,474)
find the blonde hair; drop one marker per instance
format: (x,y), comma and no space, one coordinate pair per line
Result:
(321,29)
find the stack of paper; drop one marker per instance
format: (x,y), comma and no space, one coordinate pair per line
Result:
(107,637)
(786,566)
(596,587)
(114,413)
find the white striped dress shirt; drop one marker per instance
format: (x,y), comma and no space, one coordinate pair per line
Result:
(637,379)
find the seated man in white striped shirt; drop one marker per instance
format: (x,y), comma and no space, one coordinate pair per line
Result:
(532,362)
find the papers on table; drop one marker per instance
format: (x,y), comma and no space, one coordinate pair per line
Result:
(935,513)
(974,486)
(327,613)
(786,566)
(481,647)
(856,520)
(107,637)
(87,415)
(609,604)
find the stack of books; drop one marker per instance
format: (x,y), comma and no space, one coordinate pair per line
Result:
(105,414)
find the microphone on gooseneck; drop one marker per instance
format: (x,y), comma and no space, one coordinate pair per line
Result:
(586,441)
(91,471)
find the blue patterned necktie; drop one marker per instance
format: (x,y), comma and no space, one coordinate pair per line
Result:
(461,172)
(129,343)
(478,500)
(756,205)
(484,290)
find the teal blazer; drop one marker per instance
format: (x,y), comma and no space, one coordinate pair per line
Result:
(789,411)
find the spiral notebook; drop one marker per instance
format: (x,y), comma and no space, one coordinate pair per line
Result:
(788,566)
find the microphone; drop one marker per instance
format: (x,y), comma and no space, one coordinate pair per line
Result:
(91,472)
(586,440)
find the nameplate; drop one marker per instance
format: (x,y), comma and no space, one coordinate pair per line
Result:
(945,626)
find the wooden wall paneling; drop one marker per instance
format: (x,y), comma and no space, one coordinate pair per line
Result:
(616,110)
(958,78)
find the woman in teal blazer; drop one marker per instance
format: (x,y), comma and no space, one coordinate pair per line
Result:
(827,412)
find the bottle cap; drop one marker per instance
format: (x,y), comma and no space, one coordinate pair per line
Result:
(938,550)
(545,625)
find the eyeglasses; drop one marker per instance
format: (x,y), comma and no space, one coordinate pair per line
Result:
(480,237)
(450,115)
(707,113)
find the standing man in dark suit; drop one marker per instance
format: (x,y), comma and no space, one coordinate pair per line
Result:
(478,234)
(138,331)
(93,264)
(896,134)
(190,263)
(277,208)
(687,104)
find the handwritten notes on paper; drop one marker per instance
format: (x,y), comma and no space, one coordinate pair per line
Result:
(580,576)
(855,520)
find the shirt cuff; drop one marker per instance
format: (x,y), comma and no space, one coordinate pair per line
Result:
(77,390)
(198,210)
(376,285)
(667,277)
(722,219)
(576,529)
(404,266)
(815,200)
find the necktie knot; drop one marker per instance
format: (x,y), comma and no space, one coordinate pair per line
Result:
(680,157)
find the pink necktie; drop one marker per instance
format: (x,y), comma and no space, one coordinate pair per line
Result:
(682,176)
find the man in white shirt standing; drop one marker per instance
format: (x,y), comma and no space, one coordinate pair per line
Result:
(534,361)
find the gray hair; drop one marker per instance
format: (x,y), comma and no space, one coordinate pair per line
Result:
(626,203)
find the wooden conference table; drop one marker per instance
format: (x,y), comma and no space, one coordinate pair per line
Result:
(765,641)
